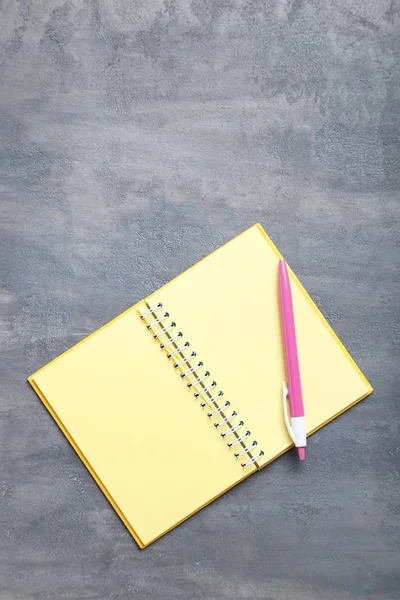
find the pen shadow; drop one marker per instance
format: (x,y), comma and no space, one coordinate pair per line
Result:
(293,461)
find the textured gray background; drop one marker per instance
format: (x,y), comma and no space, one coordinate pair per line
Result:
(136,137)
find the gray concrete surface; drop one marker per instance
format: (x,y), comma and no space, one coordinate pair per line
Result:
(136,137)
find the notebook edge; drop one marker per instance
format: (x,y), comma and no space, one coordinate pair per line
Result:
(84,460)
(317,311)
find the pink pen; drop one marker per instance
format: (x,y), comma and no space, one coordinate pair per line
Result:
(297,427)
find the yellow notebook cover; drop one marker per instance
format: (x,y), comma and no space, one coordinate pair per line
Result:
(139,428)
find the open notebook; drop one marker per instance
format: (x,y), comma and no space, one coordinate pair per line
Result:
(124,404)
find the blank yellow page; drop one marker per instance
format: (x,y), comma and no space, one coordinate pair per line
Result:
(136,426)
(227,307)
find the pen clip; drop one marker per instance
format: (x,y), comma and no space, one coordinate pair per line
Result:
(286,411)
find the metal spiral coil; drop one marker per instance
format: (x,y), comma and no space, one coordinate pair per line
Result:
(191,369)
(184,360)
(212,399)
(185,363)
(253,459)
(199,379)
(157,320)
(217,411)
(164,330)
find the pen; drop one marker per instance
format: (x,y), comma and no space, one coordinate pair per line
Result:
(296,425)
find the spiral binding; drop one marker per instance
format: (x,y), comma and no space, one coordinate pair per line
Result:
(199,379)
(239,440)
(184,360)
(191,369)
(217,411)
(205,390)
(212,399)
(164,330)
(158,320)
(161,331)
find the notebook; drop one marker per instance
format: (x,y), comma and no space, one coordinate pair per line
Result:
(179,398)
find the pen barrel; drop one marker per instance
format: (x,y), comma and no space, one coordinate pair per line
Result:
(290,343)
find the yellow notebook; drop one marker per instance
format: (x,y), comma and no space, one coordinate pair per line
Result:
(160,449)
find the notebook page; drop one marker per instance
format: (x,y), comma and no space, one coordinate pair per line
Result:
(227,306)
(133,422)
